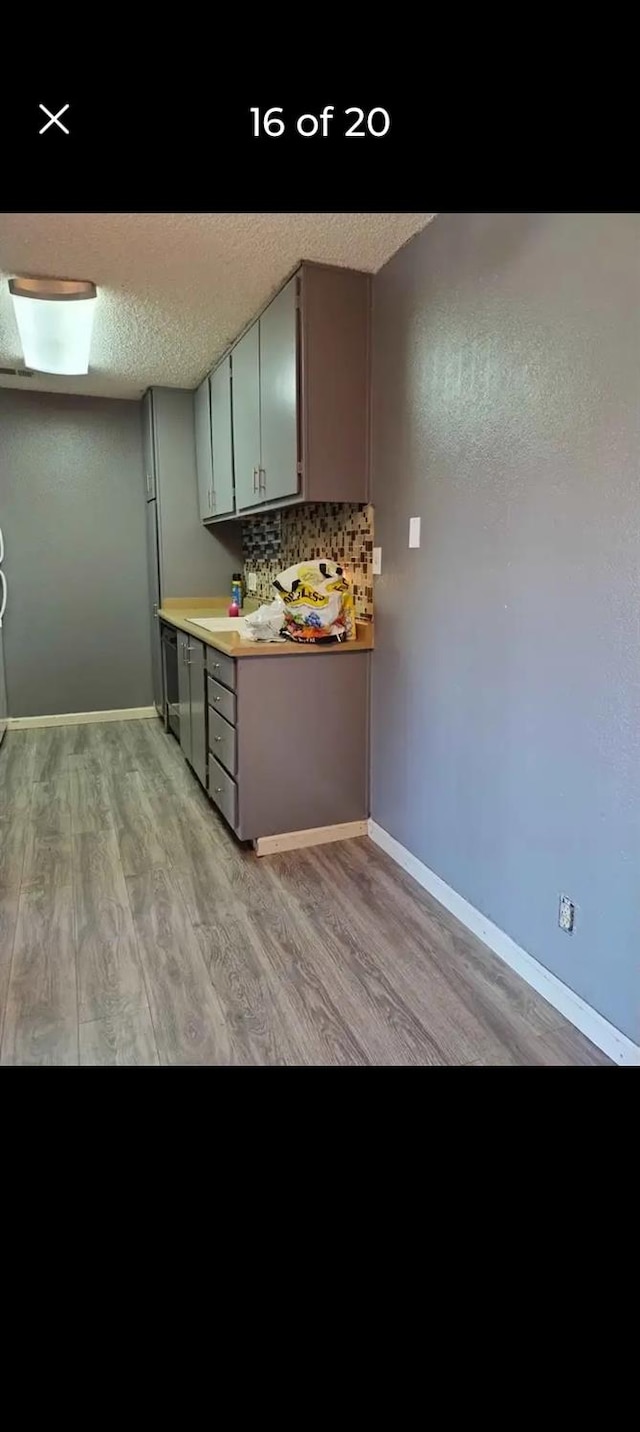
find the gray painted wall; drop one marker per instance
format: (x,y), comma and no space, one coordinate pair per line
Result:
(73,512)
(506,686)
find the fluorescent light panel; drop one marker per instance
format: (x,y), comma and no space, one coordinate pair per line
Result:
(55,322)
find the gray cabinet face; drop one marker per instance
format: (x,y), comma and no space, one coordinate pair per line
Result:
(153,570)
(224,792)
(245,360)
(196,670)
(279,397)
(184,693)
(221,438)
(222,741)
(148,447)
(204,460)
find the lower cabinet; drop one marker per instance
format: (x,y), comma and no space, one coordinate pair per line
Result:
(193,709)
(279,742)
(288,744)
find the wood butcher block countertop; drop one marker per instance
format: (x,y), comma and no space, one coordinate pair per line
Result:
(180,611)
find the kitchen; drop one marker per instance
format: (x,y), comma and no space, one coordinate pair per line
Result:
(186,862)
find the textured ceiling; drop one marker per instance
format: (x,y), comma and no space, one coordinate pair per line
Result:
(175,289)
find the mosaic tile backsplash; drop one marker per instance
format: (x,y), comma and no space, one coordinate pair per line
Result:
(340,531)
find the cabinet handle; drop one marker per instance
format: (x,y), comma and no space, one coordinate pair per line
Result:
(155,609)
(213,499)
(256,476)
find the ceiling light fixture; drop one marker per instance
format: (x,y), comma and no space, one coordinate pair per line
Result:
(55,319)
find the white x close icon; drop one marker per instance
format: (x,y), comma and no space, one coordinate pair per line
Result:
(53,119)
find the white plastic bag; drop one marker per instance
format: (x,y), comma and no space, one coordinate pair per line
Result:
(266,624)
(318,604)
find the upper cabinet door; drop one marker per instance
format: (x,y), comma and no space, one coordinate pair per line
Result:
(279,396)
(148,447)
(245,360)
(204,459)
(221,431)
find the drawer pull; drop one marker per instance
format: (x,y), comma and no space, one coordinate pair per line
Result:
(216,665)
(217,738)
(217,699)
(217,790)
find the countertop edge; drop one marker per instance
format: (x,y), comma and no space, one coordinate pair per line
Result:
(232,645)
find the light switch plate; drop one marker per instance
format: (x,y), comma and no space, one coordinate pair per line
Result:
(252,582)
(414,531)
(376,564)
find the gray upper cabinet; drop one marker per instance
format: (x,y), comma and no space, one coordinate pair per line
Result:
(279,397)
(265,405)
(204,455)
(300,396)
(245,360)
(222,444)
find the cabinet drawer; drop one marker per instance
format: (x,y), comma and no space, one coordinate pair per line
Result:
(222,701)
(223,791)
(222,741)
(221,668)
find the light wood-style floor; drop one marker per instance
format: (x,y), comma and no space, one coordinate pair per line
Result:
(135,930)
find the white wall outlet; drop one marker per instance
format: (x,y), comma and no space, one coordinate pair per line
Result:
(376,564)
(252,582)
(414,531)
(566,914)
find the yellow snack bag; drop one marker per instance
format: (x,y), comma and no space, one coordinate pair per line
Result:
(318,602)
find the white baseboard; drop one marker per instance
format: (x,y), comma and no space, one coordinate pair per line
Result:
(596,1028)
(81,718)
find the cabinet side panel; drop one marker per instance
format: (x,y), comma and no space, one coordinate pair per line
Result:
(302,742)
(335,364)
